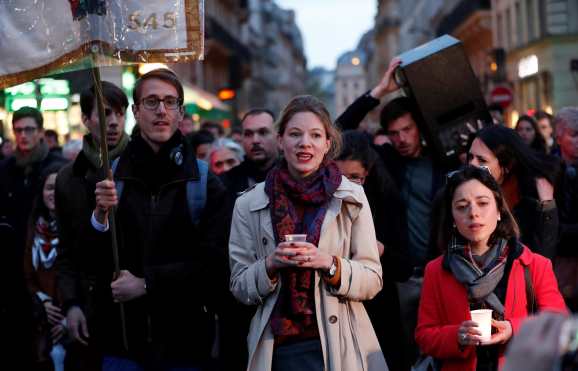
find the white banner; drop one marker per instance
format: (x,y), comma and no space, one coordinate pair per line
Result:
(38,37)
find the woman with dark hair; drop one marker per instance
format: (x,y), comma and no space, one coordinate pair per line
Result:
(527,129)
(40,272)
(526,179)
(359,162)
(484,266)
(303,249)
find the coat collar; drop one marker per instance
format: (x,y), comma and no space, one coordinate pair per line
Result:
(177,152)
(346,192)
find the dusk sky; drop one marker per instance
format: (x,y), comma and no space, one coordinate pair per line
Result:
(331,27)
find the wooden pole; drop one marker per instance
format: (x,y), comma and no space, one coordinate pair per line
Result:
(106,168)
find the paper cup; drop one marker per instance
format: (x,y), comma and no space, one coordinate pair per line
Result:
(295,237)
(483,317)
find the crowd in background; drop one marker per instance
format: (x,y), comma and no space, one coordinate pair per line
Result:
(397,251)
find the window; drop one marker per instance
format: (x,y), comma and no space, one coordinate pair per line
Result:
(509,29)
(501,40)
(530,17)
(519,26)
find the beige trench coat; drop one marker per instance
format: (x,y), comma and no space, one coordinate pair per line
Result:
(347,337)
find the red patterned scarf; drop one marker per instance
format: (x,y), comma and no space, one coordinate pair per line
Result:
(295,308)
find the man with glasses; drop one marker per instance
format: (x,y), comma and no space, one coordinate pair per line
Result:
(20,174)
(75,200)
(173,267)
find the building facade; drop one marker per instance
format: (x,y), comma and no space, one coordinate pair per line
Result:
(278,65)
(350,79)
(540,40)
(470,21)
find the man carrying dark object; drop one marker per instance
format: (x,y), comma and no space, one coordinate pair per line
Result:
(417,175)
(172,255)
(20,174)
(75,187)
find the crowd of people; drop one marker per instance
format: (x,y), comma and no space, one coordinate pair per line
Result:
(294,242)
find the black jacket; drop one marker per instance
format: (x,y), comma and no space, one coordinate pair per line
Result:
(184,265)
(567,202)
(240,178)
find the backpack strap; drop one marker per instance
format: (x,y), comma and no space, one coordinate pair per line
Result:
(119,184)
(197,192)
(532,307)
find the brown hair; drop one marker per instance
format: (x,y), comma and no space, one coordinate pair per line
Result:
(163,74)
(309,103)
(31,112)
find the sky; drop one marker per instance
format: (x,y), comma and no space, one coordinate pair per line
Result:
(331,27)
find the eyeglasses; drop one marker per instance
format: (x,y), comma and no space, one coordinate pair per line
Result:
(152,102)
(26,130)
(451,174)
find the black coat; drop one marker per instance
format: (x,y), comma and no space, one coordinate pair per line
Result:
(567,201)
(20,313)
(240,178)
(184,265)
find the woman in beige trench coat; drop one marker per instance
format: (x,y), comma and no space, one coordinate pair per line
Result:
(309,315)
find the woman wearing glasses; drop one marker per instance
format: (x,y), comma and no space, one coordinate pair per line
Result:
(526,179)
(308,293)
(484,266)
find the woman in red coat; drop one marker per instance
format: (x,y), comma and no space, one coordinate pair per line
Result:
(483,267)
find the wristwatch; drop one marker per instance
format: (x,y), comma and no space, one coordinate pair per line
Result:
(332,269)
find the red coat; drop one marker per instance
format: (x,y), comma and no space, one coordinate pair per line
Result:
(444,306)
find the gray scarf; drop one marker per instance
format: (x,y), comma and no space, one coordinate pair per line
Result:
(479,281)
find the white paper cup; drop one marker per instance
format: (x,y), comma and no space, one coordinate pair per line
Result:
(295,237)
(483,317)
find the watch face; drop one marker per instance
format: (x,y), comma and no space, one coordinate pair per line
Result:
(332,269)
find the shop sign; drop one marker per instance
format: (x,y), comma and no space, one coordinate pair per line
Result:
(53,95)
